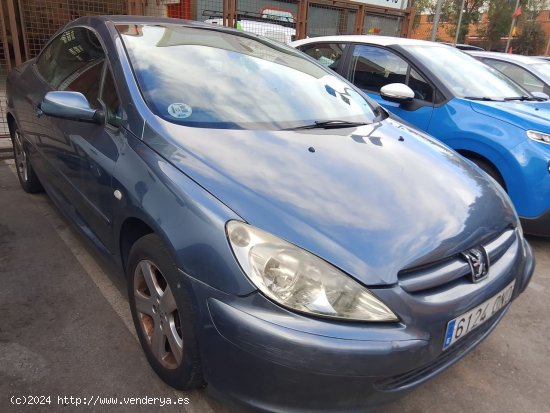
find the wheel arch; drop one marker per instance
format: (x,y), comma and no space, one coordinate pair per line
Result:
(496,154)
(156,197)
(471,155)
(131,229)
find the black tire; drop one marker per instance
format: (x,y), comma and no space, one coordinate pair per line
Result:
(27,177)
(151,256)
(490,170)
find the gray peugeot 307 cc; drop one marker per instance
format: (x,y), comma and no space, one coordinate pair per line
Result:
(285,240)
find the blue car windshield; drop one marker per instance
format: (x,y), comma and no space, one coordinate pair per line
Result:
(465,76)
(208,78)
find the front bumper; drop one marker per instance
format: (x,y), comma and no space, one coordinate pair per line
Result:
(270,359)
(529,186)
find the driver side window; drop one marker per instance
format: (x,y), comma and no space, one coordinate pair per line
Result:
(372,68)
(74,61)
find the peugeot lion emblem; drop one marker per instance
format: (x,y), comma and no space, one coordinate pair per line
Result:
(478,261)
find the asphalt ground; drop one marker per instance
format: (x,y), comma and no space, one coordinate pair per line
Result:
(66,331)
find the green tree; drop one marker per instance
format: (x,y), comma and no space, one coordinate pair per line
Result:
(531,38)
(472,13)
(422,7)
(499,19)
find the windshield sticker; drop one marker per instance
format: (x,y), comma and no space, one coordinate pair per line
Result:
(179,110)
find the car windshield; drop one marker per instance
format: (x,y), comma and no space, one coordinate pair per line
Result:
(213,79)
(543,69)
(465,76)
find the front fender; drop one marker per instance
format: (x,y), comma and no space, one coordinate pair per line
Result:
(465,130)
(501,157)
(524,168)
(189,220)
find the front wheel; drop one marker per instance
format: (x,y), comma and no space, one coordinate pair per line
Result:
(163,313)
(27,178)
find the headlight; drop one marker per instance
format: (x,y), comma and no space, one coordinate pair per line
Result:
(538,136)
(299,280)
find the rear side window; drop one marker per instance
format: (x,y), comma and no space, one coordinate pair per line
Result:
(328,54)
(73,54)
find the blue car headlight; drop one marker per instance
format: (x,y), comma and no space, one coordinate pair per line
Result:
(538,136)
(299,280)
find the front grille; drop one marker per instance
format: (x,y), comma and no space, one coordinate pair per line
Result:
(445,359)
(499,250)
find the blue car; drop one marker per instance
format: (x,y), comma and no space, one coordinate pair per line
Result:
(469,106)
(285,241)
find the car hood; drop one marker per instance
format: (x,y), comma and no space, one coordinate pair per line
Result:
(371,200)
(526,115)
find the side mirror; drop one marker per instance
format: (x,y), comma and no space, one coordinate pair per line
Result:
(70,105)
(540,95)
(397,92)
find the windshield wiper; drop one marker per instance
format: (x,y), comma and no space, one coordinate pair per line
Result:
(522,98)
(329,124)
(484,98)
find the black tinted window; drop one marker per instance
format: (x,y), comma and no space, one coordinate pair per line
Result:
(70,55)
(422,89)
(373,67)
(87,81)
(213,79)
(328,54)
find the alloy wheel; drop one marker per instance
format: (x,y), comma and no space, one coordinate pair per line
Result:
(158,315)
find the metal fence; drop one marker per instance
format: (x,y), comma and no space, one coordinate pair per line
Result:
(275,19)
(5,64)
(26,25)
(327,20)
(382,25)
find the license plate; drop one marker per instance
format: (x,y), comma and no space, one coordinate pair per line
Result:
(465,323)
